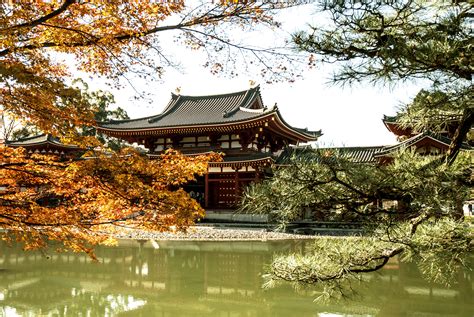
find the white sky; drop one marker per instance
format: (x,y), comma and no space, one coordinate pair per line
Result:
(347,116)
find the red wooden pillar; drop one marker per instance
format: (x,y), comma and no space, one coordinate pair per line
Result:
(206,190)
(236,180)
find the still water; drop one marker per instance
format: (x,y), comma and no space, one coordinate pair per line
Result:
(204,279)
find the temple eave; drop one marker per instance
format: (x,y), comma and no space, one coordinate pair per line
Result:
(221,127)
(271,120)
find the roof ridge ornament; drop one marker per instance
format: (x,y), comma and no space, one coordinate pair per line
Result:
(167,110)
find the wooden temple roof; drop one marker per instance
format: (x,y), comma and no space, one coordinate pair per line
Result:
(422,138)
(368,154)
(361,154)
(256,159)
(44,142)
(247,159)
(392,124)
(191,114)
(357,154)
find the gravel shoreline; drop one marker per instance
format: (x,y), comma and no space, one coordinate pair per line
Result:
(209,234)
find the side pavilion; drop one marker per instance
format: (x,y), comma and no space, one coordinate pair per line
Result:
(237,124)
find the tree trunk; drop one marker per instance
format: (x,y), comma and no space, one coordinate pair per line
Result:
(463,128)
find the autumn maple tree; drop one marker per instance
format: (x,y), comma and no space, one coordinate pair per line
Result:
(45,197)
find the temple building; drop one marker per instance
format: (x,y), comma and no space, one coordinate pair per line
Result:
(403,132)
(46,144)
(424,143)
(238,124)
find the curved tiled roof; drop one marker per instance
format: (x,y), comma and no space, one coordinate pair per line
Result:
(208,112)
(182,113)
(199,110)
(362,154)
(417,138)
(356,154)
(41,139)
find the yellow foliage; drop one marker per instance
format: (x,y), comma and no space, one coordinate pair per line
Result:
(69,201)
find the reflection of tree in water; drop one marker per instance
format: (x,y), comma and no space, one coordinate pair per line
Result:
(203,279)
(62,296)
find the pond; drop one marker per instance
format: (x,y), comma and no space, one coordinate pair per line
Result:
(171,278)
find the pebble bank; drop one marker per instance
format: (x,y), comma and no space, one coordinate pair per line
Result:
(210,234)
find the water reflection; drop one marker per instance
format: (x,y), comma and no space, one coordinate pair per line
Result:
(202,279)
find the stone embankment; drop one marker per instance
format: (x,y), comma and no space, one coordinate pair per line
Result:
(210,234)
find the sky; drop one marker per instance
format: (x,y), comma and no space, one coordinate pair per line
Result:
(347,116)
